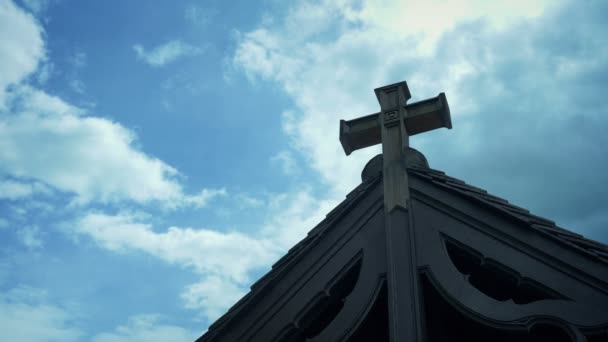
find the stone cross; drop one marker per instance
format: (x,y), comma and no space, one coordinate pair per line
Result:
(392,127)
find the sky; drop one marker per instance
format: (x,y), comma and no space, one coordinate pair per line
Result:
(156,157)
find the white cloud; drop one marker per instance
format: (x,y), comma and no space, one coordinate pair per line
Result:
(48,139)
(428,20)
(166,53)
(224,260)
(501,65)
(45,138)
(199,16)
(45,71)
(206,251)
(26,315)
(247,201)
(18,211)
(203,198)
(212,296)
(220,258)
(328,55)
(12,190)
(30,236)
(77,86)
(146,328)
(41,207)
(22,46)
(286,162)
(293,215)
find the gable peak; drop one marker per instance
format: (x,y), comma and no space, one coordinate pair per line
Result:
(413,157)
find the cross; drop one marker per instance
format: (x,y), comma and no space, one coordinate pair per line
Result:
(392,127)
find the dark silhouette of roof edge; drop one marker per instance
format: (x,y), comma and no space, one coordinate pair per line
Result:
(419,168)
(547,227)
(292,256)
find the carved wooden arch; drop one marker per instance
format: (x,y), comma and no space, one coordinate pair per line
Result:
(524,325)
(589,309)
(357,307)
(326,305)
(569,315)
(358,236)
(358,303)
(579,309)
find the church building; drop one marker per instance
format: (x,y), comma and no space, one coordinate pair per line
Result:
(413,254)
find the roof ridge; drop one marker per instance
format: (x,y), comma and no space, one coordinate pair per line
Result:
(291,256)
(596,249)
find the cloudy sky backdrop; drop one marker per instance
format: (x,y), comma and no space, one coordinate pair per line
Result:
(157,156)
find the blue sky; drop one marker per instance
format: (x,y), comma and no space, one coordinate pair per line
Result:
(157,157)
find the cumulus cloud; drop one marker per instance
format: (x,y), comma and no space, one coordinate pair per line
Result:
(49,141)
(26,315)
(166,53)
(22,46)
(146,328)
(203,198)
(515,76)
(516,115)
(286,161)
(13,190)
(30,236)
(225,261)
(293,215)
(212,296)
(247,201)
(94,158)
(202,249)
(327,78)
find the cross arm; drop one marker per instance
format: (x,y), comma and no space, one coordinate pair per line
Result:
(427,115)
(360,133)
(421,117)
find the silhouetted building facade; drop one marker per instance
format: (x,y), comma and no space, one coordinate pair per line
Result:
(424,257)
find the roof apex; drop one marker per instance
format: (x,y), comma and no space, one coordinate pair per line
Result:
(413,158)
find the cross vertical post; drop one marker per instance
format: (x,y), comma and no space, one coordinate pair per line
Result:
(404,309)
(395,140)
(392,127)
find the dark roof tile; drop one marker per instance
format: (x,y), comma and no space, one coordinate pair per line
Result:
(555,229)
(439,178)
(593,248)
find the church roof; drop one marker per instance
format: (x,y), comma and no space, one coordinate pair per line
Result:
(420,170)
(282,265)
(542,225)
